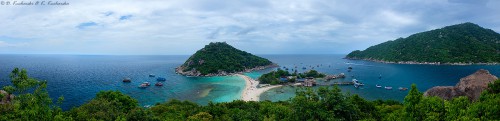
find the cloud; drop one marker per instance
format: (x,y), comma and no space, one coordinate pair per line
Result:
(6,44)
(257,26)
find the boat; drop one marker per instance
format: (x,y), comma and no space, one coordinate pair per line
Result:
(304,68)
(349,67)
(380,77)
(161,79)
(151,75)
(389,88)
(159,84)
(357,83)
(144,85)
(402,88)
(127,80)
(378,86)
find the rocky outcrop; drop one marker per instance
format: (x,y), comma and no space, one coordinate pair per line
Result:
(445,92)
(6,97)
(470,86)
(194,72)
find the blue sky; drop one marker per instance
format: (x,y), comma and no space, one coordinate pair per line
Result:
(181,27)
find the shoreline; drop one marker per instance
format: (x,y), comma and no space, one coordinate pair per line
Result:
(194,73)
(423,63)
(251,92)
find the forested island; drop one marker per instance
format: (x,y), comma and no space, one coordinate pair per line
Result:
(465,43)
(220,59)
(32,102)
(283,76)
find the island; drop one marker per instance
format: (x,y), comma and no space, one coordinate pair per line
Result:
(461,44)
(254,88)
(222,59)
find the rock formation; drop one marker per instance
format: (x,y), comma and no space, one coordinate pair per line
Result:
(470,86)
(6,97)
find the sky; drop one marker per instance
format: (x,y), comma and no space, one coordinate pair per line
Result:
(181,27)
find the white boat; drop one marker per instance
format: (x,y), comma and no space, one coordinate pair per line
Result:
(389,88)
(144,85)
(403,88)
(378,86)
(357,83)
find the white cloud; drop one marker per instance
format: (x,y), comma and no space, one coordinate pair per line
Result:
(261,26)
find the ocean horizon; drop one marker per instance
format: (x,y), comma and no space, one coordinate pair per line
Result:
(79,77)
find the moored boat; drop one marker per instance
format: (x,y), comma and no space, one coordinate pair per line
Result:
(159,84)
(127,80)
(378,86)
(357,83)
(389,88)
(161,79)
(403,88)
(144,85)
(152,75)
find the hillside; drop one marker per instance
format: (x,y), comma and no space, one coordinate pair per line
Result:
(220,58)
(465,43)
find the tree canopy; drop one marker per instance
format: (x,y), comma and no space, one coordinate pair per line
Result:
(323,103)
(461,43)
(220,56)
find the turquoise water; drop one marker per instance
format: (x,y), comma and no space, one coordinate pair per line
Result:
(79,77)
(395,75)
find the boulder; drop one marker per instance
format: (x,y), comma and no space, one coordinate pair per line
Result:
(6,97)
(474,84)
(470,86)
(445,92)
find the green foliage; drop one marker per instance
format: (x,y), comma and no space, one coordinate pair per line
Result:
(107,105)
(220,56)
(494,87)
(465,42)
(314,74)
(322,103)
(411,102)
(35,104)
(273,77)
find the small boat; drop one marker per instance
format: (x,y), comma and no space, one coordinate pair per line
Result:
(402,88)
(304,68)
(349,67)
(161,79)
(151,75)
(159,84)
(378,86)
(357,83)
(389,88)
(144,85)
(380,77)
(127,80)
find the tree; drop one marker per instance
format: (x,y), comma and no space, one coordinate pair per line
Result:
(410,103)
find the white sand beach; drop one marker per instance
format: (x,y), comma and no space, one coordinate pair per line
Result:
(251,92)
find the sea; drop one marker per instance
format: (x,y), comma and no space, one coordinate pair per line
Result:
(79,77)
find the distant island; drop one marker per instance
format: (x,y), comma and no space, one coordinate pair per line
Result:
(221,59)
(461,44)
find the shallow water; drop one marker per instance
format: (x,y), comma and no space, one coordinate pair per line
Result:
(79,77)
(394,75)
